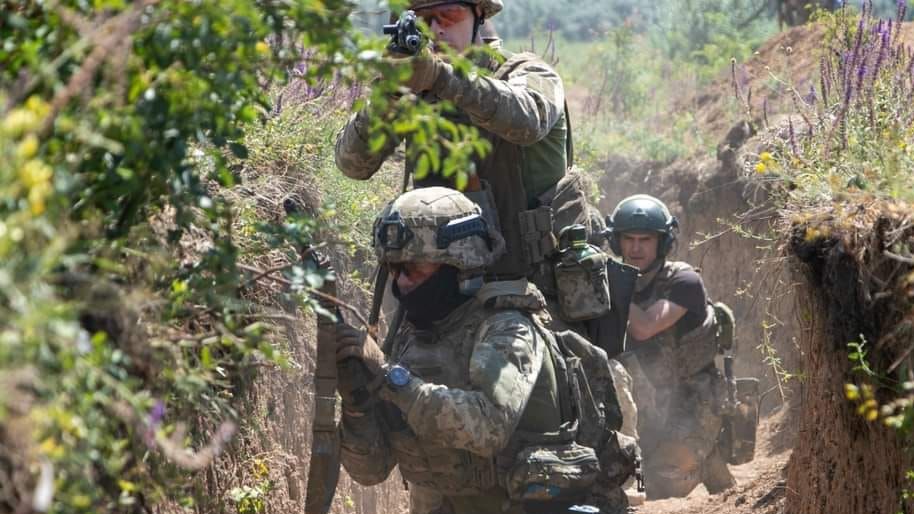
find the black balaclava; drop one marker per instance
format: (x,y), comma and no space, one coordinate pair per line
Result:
(434,299)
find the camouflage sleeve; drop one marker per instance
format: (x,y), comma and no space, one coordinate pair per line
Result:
(352,151)
(504,366)
(521,110)
(364,451)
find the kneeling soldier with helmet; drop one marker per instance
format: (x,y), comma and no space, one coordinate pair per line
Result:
(673,338)
(474,401)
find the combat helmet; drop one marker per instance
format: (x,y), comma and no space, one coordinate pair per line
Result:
(436,224)
(489,7)
(642,213)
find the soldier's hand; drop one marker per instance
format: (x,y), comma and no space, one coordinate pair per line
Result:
(427,67)
(353,343)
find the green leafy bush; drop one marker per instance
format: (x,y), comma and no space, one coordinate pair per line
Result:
(128,325)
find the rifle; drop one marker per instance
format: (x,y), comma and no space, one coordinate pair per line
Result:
(324,469)
(405,37)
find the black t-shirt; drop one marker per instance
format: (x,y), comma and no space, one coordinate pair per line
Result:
(687,291)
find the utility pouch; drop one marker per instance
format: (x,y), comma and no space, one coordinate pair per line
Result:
(552,472)
(536,233)
(695,351)
(591,420)
(582,284)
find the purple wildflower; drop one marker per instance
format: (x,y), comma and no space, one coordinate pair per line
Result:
(810,97)
(153,422)
(881,56)
(900,12)
(823,79)
(793,137)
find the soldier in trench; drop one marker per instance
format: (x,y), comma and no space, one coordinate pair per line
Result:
(677,386)
(469,402)
(519,108)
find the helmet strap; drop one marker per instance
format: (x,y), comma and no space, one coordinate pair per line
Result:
(477,22)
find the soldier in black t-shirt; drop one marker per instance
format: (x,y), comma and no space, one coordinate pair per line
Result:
(677,386)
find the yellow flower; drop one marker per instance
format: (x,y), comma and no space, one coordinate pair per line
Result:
(871,415)
(760,168)
(37,198)
(765,156)
(28,147)
(35,172)
(38,106)
(851,392)
(262,48)
(19,121)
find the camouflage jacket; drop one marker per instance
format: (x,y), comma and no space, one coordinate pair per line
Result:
(523,105)
(519,109)
(474,376)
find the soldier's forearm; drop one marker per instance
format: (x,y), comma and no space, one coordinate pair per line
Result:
(353,150)
(522,110)
(466,420)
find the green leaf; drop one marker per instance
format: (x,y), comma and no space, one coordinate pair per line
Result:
(422,167)
(239,150)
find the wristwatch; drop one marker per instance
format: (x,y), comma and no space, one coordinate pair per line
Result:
(397,376)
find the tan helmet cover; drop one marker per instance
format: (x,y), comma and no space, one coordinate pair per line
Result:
(436,224)
(489,7)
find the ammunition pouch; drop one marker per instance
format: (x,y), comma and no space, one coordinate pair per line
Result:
(740,423)
(695,351)
(536,234)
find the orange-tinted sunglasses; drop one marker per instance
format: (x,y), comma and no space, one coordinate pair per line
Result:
(446,15)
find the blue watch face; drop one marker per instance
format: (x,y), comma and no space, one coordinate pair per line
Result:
(398,376)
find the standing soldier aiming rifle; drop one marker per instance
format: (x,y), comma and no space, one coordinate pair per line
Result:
(519,108)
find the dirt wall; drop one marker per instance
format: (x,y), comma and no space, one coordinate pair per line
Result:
(843,464)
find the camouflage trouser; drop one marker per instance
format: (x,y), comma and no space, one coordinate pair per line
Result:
(679,428)
(423,500)
(623,382)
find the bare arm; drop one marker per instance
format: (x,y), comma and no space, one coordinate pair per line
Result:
(644,324)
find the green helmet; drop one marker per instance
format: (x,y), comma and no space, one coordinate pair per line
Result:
(436,224)
(489,7)
(642,213)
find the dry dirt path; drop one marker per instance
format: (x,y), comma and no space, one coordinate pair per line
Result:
(760,484)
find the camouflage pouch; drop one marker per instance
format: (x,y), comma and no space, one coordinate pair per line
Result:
(695,351)
(582,284)
(740,424)
(536,233)
(552,473)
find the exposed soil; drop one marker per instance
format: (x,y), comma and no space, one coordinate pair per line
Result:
(760,485)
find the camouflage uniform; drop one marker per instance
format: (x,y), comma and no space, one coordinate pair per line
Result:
(483,380)
(679,392)
(519,108)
